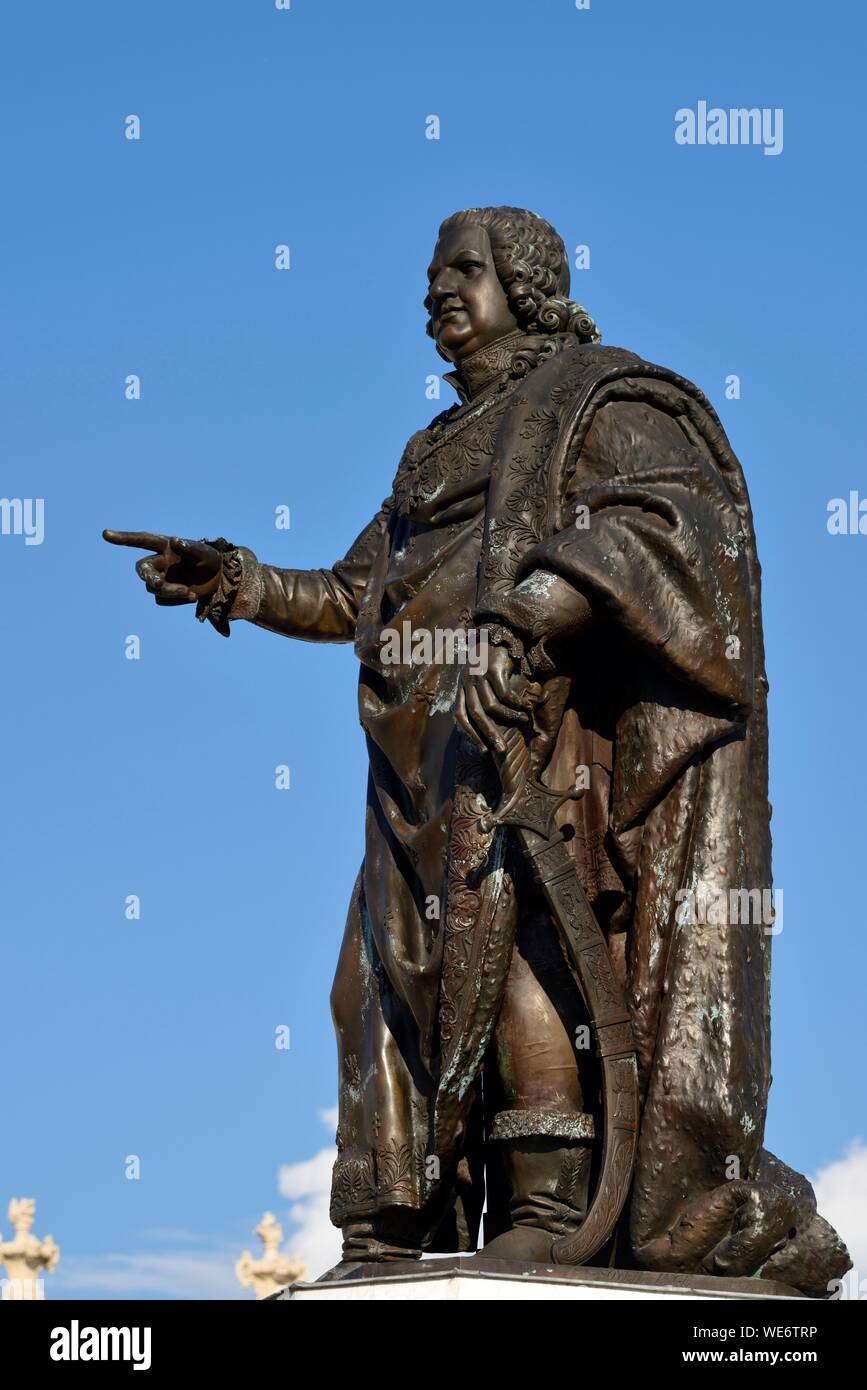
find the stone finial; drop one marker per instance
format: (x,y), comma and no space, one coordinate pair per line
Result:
(25,1256)
(270,1273)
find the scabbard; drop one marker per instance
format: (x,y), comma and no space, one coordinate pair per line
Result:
(587,953)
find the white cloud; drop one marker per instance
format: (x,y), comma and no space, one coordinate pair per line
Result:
(330,1117)
(841,1194)
(209,1273)
(171,1275)
(314,1240)
(176,1235)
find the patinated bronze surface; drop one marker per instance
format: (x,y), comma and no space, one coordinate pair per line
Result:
(526,995)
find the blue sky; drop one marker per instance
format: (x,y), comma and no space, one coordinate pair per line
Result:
(260,388)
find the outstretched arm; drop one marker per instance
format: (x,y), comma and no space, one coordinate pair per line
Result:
(227,582)
(315,605)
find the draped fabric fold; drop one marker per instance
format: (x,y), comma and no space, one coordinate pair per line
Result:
(595,508)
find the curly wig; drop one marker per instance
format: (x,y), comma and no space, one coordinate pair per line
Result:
(532,267)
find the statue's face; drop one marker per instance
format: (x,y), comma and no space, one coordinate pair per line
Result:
(469,308)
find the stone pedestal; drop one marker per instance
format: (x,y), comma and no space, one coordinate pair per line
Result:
(472,1278)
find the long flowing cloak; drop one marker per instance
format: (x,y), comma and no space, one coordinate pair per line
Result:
(614,478)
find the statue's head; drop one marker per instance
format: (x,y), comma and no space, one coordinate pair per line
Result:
(22,1210)
(495,270)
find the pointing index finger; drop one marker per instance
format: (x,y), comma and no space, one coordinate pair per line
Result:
(140,540)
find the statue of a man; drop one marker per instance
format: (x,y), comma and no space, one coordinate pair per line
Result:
(25,1256)
(584,510)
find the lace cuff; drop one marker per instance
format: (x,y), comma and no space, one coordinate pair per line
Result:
(533,660)
(239,591)
(542,610)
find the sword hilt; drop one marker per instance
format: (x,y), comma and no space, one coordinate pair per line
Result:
(526,802)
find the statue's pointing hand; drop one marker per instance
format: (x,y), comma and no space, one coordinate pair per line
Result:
(179,570)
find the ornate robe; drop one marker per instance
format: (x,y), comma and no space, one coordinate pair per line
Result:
(594,474)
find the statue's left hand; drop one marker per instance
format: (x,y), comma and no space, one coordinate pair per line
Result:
(490,704)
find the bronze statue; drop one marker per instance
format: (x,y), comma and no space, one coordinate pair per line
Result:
(531,992)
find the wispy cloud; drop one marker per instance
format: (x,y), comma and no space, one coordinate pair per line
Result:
(169,1275)
(314,1239)
(195,1264)
(841,1193)
(176,1235)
